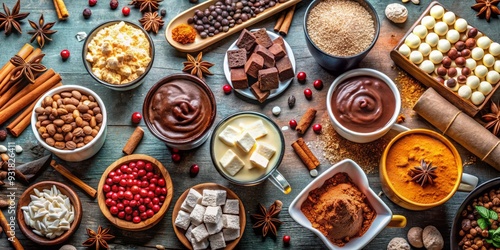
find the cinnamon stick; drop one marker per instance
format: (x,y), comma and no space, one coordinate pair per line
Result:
(287,21)
(66,173)
(8,67)
(279,22)
(9,83)
(8,96)
(19,175)
(61,10)
(25,100)
(308,151)
(10,234)
(305,121)
(133,141)
(303,156)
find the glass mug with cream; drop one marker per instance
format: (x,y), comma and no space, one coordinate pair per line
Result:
(363,105)
(247,148)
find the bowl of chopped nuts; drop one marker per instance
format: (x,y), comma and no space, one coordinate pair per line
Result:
(118,54)
(339,34)
(71,122)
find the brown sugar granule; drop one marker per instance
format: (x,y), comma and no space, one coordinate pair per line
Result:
(340,27)
(336,148)
(410,88)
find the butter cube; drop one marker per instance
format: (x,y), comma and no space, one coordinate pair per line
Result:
(245,142)
(265,150)
(259,160)
(229,135)
(256,129)
(231,162)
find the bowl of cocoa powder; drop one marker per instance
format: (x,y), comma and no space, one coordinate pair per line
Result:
(340,33)
(70,121)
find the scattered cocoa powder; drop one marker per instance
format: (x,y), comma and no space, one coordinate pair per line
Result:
(410,88)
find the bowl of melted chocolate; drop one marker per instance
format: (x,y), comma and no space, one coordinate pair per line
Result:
(363,105)
(180,111)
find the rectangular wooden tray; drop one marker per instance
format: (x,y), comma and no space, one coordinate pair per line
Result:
(465,105)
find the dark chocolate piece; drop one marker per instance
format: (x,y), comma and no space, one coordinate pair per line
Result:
(263,38)
(268,79)
(261,95)
(239,78)
(268,57)
(285,69)
(236,58)
(277,51)
(280,42)
(246,40)
(253,65)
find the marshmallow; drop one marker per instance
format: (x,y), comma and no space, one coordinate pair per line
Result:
(231,162)
(259,160)
(245,142)
(229,135)
(256,129)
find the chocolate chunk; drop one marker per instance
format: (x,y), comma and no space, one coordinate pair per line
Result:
(263,38)
(261,95)
(268,57)
(239,78)
(285,69)
(253,65)
(277,51)
(280,42)
(246,40)
(268,79)
(236,58)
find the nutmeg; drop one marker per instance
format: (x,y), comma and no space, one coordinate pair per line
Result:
(460,61)
(470,43)
(472,33)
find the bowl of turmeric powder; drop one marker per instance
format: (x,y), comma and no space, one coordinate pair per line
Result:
(421,169)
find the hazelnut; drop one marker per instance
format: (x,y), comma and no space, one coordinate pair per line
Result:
(440,79)
(446,62)
(466,71)
(452,72)
(451,83)
(441,71)
(465,53)
(470,43)
(472,33)
(453,54)
(460,61)
(3,135)
(461,79)
(460,45)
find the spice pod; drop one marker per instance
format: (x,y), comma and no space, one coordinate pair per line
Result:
(200,43)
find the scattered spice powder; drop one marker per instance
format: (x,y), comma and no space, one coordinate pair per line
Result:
(410,88)
(341,27)
(184,34)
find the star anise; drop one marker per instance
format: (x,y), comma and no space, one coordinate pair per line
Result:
(98,239)
(146,5)
(136,3)
(267,218)
(493,119)
(151,21)
(9,20)
(486,8)
(423,174)
(197,66)
(26,70)
(41,31)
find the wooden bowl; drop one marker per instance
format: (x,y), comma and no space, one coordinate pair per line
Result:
(145,224)
(200,187)
(25,199)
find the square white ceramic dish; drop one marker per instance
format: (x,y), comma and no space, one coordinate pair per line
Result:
(382,219)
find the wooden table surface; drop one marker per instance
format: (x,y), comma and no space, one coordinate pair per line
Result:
(121,105)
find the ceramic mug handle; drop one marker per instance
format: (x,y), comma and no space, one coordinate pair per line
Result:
(280,182)
(468,183)
(398,221)
(399,128)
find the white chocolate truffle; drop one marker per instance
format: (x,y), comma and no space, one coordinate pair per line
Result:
(412,41)
(470,63)
(496,66)
(473,82)
(449,18)
(428,22)
(436,56)
(425,49)
(492,77)
(441,28)
(443,45)
(432,39)
(465,92)
(416,57)
(494,49)
(420,31)
(477,97)
(437,11)
(452,84)
(485,88)
(488,60)
(480,71)
(453,36)
(477,53)
(460,25)
(427,66)
(396,12)
(405,50)
(483,42)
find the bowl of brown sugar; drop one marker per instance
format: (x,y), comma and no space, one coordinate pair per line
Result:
(340,33)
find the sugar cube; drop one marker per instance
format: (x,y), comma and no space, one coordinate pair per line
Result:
(213,197)
(203,244)
(197,214)
(231,162)
(217,241)
(230,234)
(199,233)
(182,220)
(214,228)
(192,197)
(212,214)
(232,206)
(231,221)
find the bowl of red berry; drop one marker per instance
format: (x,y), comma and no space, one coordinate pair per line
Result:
(135,192)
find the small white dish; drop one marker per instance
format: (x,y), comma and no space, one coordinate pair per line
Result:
(247,92)
(384,214)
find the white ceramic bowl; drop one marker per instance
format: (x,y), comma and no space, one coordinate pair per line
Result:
(370,136)
(78,154)
(382,219)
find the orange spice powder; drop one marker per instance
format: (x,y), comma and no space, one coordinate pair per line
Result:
(407,153)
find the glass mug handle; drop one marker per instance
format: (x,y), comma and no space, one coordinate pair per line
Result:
(280,182)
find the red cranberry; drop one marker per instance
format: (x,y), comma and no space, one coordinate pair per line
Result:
(301,76)
(92,2)
(113,210)
(317,128)
(65,54)
(113,4)
(194,170)
(136,117)
(318,84)
(86,13)
(136,219)
(286,239)
(176,157)
(308,93)
(227,89)
(126,11)
(293,124)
